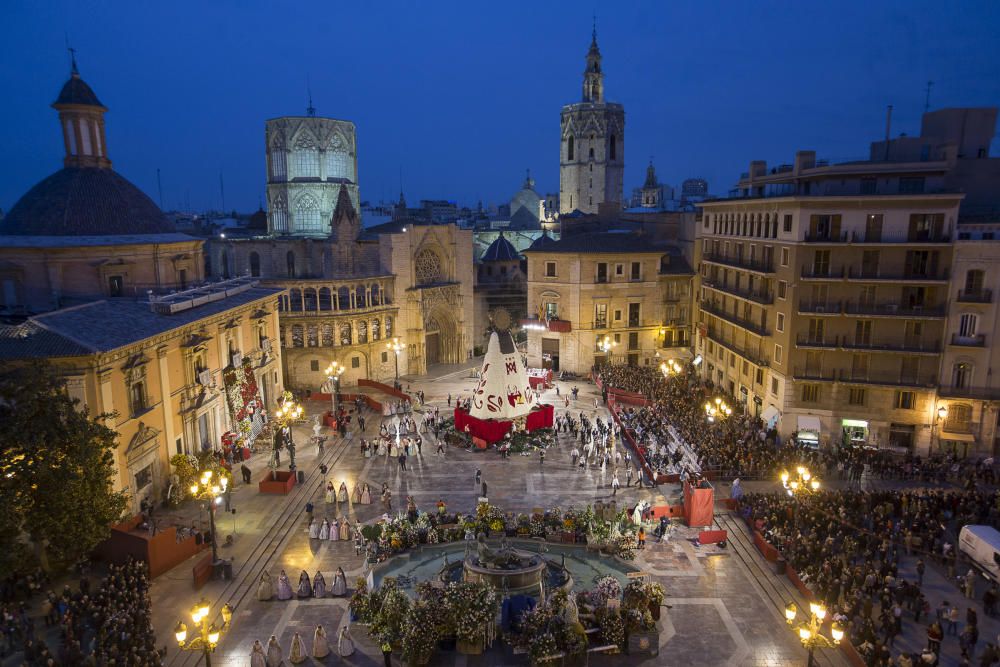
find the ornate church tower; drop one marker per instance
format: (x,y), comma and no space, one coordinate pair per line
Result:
(592,151)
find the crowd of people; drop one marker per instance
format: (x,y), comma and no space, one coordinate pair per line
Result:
(109,626)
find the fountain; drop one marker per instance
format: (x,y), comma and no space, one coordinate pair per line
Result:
(505,569)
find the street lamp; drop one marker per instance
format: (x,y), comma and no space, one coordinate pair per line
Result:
(670,367)
(942,414)
(605,345)
(802,483)
(810,632)
(717,409)
(396,347)
(287,412)
(210,489)
(333,373)
(207,634)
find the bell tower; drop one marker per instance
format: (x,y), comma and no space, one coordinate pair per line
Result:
(81,116)
(592,147)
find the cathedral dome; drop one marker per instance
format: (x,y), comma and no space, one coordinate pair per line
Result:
(84,201)
(541,242)
(76,91)
(501,250)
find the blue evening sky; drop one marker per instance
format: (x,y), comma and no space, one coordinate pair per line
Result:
(464,96)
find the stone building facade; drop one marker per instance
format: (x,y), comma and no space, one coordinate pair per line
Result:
(592,146)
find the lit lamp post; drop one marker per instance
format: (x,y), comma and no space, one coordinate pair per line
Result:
(942,414)
(211,490)
(803,483)
(333,373)
(605,345)
(286,413)
(811,632)
(670,367)
(207,634)
(717,409)
(396,347)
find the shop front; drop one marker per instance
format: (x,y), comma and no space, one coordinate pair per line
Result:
(855,432)
(956,443)
(809,431)
(902,436)
(770,417)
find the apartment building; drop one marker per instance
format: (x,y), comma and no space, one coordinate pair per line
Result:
(612,296)
(823,297)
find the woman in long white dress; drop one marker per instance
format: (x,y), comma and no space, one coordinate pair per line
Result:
(324,530)
(339,588)
(342,494)
(330,493)
(297,652)
(381,447)
(265,587)
(366,495)
(275,655)
(319,585)
(345,645)
(334,531)
(356,495)
(313,530)
(305,589)
(257,656)
(284,589)
(321,647)
(345,529)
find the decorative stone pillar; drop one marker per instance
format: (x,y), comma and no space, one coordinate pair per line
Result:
(168,406)
(107,406)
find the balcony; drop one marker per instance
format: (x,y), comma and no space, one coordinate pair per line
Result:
(756,265)
(812,272)
(675,297)
(755,357)
(975,296)
(978,393)
(820,307)
(676,342)
(906,276)
(601,324)
(899,236)
(554,325)
(894,310)
(925,380)
(822,238)
(907,346)
(814,375)
(979,340)
(757,296)
(821,342)
(750,326)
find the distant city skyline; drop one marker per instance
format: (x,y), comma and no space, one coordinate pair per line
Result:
(462,100)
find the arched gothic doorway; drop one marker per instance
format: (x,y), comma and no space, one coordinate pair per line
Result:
(442,338)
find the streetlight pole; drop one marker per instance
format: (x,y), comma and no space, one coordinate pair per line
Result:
(396,348)
(208,634)
(333,373)
(206,489)
(810,632)
(605,346)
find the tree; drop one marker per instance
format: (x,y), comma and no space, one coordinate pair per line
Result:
(56,471)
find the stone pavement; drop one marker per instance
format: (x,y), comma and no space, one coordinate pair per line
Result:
(720,616)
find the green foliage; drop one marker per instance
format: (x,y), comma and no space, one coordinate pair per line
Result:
(612,627)
(388,609)
(56,471)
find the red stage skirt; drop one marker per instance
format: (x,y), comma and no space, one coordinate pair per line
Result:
(493,430)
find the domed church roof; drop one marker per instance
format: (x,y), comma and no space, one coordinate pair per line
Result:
(76,91)
(541,242)
(501,250)
(83,201)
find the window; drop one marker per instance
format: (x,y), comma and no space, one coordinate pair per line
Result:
(305,162)
(863,332)
(821,262)
(144,477)
(355,362)
(636,266)
(633,315)
(307,215)
(810,393)
(784,256)
(614,147)
(774,386)
(600,315)
(904,400)
(602,272)
(782,289)
(787,223)
(759,376)
(780,325)
(279,171)
(551,310)
(182,278)
(116,285)
(138,398)
(569,149)
(338,165)
(619,269)
(633,340)
(856,396)
(968,325)
(777,354)
(974,281)
(618,315)
(961,375)
(385,357)
(868,188)
(290,263)
(873,228)
(254,264)
(179,445)
(550,269)
(314,364)
(732,360)
(746,367)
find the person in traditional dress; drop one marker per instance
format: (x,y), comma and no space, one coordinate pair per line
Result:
(330,493)
(313,530)
(342,494)
(297,653)
(345,645)
(319,585)
(265,587)
(366,495)
(394,448)
(275,656)
(257,656)
(339,588)
(383,431)
(284,589)
(334,531)
(345,529)
(321,647)
(305,588)
(356,496)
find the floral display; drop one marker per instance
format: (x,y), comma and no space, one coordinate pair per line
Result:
(607,588)
(472,607)
(242,396)
(612,627)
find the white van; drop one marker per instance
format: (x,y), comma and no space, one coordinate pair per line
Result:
(982,545)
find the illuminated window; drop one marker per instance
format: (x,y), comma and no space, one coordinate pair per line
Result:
(338,165)
(307,215)
(305,160)
(279,167)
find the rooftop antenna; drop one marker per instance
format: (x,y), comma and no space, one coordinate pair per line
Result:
(927,97)
(310,110)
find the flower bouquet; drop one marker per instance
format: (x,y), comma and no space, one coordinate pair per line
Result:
(472,609)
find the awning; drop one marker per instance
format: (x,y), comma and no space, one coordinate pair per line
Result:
(809,423)
(770,414)
(960,437)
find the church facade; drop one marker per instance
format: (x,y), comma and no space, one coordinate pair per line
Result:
(592,147)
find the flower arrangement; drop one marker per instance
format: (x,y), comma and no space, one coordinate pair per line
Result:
(612,627)
(472,608)
(426,623)
(607,588)
(542,647)
(359,600)
(388,608)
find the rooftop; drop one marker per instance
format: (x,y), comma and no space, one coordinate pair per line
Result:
(604,242)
